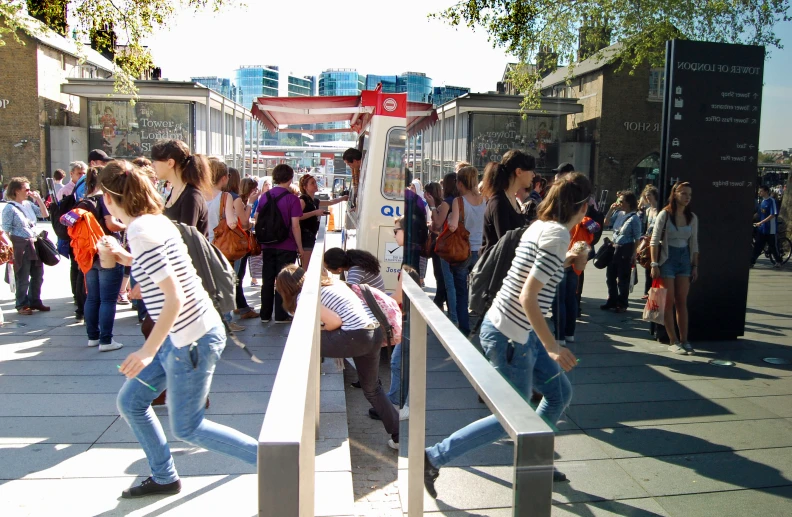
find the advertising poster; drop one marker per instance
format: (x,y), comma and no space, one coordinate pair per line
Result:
(123,130)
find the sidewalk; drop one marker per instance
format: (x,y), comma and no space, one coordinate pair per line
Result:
(65,451)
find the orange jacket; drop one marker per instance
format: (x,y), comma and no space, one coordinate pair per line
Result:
(85,235)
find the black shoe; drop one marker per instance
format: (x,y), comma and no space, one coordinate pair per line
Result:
(608,306)
(151,487)
(356,384)
(78,317)
(558,476)
(373,414)
(430,475)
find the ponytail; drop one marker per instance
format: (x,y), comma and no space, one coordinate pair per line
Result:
(501,175)
(130,188)
(565,198)
(336,258)
(193,169)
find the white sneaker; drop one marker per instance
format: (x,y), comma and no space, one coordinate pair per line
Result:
(404,413)
(676,348)
(688,348)
(93,342)
(393,445)
(113,345)
(569,339)
(561,342)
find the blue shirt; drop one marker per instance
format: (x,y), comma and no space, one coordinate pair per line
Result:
(20,220)
(766,208)
(629,233)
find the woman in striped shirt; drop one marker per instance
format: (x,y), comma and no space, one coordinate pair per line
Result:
(516,322)
(349,329)
(185,343)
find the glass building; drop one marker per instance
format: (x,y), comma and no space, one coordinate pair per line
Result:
(339,81)
(443,94)
(389,82)
(301,86)
(417,86)
(221,85)
(253,82)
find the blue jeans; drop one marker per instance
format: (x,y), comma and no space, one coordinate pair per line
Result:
(100,304)
(456,283)
(395,377)
(529,366)
(187,374)
(565,305)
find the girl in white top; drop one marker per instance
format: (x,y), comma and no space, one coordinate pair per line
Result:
(349,329)
(516,321)
(182,349)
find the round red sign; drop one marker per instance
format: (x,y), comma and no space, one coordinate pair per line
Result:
(390,104)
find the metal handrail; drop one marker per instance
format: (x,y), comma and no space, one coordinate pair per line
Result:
(533,438)
(287,441)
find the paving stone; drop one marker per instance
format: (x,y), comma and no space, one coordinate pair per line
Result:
(768,502)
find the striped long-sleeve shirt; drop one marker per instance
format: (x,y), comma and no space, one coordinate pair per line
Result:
(540,255)
(159,252)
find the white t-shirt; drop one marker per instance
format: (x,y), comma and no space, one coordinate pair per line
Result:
(159,252)
(540,254)
(354,314)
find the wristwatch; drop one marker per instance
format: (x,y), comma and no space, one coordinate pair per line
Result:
(654,264)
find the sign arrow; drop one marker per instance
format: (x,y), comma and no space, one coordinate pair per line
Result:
(753,121)
(756,95)
(756,108)
(751,146)
(750,159)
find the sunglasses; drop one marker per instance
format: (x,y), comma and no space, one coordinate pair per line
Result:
(396,230)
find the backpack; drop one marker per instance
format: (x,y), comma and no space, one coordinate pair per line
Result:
(270,226)
(59,209)
(597,216)
(388,307)
(490,270)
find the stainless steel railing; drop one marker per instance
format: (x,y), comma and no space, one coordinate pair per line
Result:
(533,438)
(287,442)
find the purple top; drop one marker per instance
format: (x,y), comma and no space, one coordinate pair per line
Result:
(289,207)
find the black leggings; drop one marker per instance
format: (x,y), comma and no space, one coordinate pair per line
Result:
(363,346)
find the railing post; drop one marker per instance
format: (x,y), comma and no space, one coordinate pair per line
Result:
(533,475)
(417,425)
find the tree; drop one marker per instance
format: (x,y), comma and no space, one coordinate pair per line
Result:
(129,20)
(574,30)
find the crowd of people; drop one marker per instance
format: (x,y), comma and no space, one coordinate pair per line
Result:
(114,221)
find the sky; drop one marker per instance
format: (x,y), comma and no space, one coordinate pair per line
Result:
(305,37)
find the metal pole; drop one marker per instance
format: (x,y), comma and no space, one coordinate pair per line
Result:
(431,152)
(258,148)
(250,137)
(223,129)
(442,145)
(208,123)
(533,475)
(417,422)
(234,138)
(456,131)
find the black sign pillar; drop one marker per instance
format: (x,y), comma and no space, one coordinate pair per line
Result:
(710,138)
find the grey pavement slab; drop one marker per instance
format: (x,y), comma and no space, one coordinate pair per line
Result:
(16,430)
(768,502)
(648,392)
(637,413)
(711,472)
(660,440)
(644,507)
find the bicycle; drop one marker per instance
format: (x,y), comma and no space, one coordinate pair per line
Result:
(782,242)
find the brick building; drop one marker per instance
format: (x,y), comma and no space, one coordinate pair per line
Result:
(39,125)
(621,119)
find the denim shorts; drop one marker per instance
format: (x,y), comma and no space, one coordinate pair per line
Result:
(677,264)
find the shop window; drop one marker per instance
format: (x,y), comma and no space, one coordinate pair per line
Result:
(656,84)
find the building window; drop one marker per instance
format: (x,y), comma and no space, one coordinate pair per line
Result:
(656,84)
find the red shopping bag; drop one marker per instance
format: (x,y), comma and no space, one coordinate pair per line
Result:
(654,311)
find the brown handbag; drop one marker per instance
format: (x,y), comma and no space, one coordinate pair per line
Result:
(6,248)
(232,242)
(454,247)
